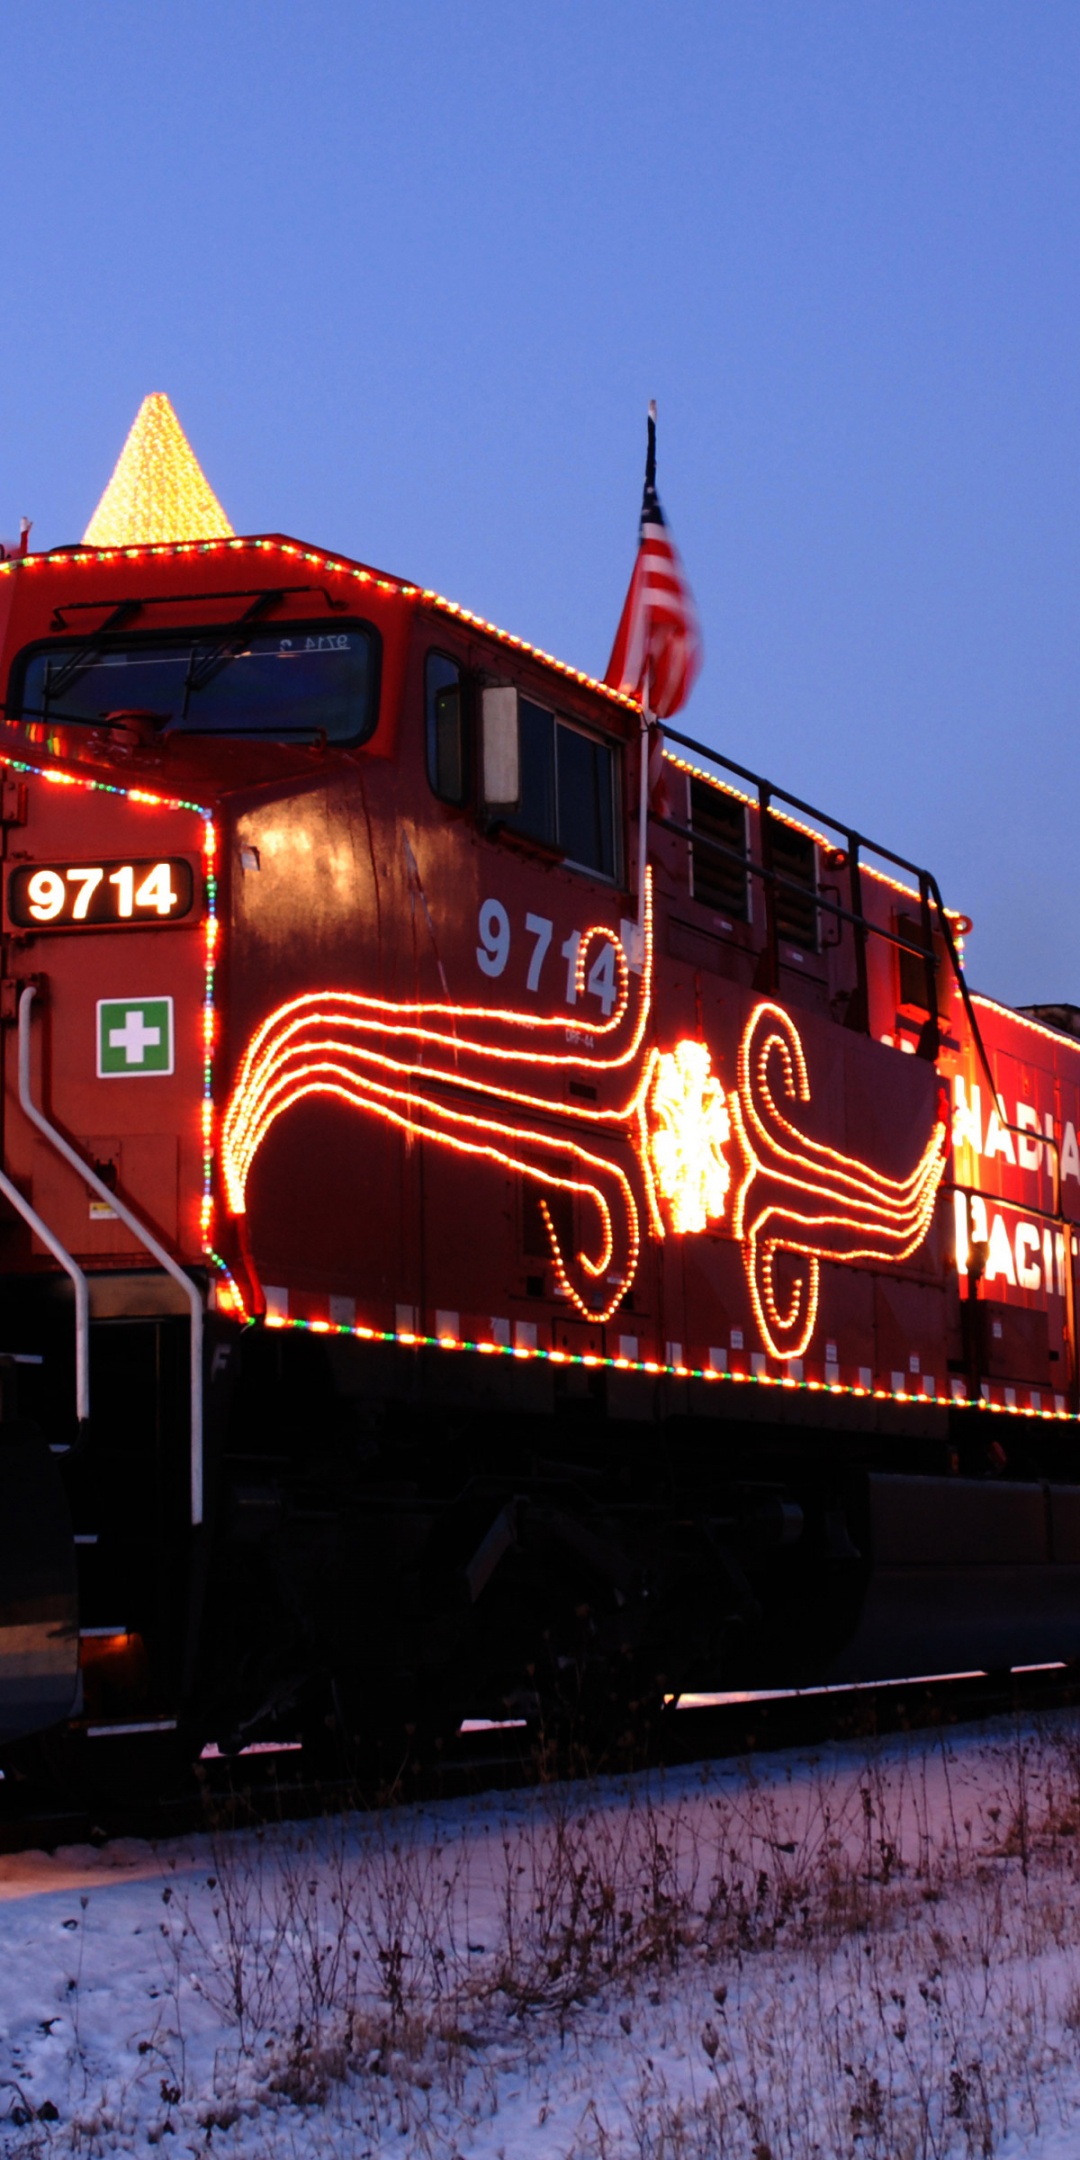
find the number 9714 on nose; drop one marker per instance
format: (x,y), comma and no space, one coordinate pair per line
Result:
(101,895)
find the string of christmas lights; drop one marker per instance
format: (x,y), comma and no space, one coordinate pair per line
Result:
(598,1361)
(798,1196)
(327,1044)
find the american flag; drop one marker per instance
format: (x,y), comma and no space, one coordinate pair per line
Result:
(657,651)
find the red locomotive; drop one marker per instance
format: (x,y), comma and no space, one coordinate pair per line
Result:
(436,1265)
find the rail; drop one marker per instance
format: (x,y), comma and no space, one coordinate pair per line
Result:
(851,856)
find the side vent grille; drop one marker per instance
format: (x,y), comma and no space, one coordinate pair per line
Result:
(912,966)
(718,850)
(794,858)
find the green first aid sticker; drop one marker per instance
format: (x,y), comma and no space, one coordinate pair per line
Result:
(134,1035)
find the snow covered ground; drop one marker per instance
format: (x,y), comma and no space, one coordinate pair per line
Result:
(865,1951)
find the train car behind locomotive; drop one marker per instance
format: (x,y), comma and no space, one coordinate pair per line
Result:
(446,1273)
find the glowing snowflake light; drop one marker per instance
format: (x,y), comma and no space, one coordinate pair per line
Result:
(690,1128)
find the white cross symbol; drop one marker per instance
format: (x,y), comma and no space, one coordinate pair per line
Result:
(134,1037)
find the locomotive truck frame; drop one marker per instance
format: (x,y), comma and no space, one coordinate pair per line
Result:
(440,1270)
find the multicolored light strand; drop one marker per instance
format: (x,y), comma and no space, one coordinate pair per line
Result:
(652,1368)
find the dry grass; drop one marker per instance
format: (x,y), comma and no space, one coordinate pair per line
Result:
(872,1961)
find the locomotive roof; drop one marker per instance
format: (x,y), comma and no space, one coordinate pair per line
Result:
(79,555)
(338,566)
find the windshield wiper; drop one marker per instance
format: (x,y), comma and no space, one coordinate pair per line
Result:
(202,671)
(77,662)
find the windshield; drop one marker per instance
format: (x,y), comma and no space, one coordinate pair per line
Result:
(293,682)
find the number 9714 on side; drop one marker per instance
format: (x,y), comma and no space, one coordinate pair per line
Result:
(101,895)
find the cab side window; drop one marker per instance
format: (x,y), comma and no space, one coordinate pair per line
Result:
(567,789)
(536,737)
(444,719)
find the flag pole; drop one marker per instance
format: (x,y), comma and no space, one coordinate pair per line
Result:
(643,803)
(646,716)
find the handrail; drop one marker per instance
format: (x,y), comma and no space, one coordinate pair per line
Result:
(146,1237)
(60,1252)
(928,893)
(774,881)
(769,876)
(795,802)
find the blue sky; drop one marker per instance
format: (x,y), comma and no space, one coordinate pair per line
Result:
(410,275)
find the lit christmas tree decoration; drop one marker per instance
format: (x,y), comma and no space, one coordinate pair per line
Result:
(158,491)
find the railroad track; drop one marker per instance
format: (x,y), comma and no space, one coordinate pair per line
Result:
(277,1784)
